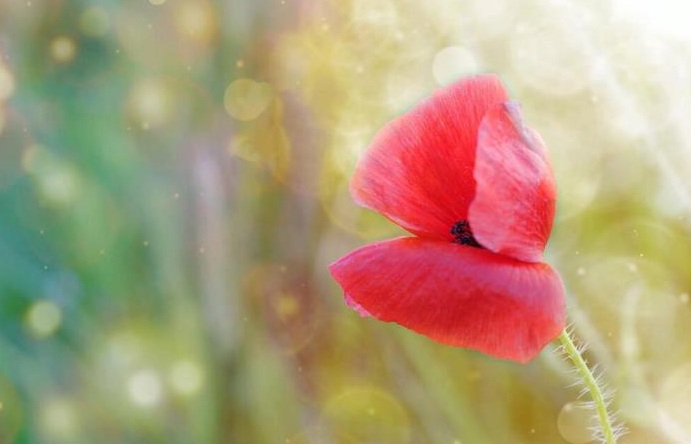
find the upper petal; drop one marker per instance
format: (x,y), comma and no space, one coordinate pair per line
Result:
(418,170)
(514,204)
(457,295)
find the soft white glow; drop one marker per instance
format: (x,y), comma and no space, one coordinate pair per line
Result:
(6,82)
(675,400)
(670,17)
(144,388)
(58,418)
(43,318)
(452,63)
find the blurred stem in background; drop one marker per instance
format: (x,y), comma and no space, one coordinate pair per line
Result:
(132,226)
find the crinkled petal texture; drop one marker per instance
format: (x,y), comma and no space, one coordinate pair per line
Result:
(514,204)
(418,171)
(457,295)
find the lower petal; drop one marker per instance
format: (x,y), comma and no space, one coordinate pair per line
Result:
(457,295)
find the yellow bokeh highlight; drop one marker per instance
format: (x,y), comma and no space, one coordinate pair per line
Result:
(252,146)
(367,414)
(246,99)
(59,418)
(186,377)
(94,21)
(375,13)
(290,310)
(574,421)
(264,141)
(157,2)
(150,103)
(7,84)
(43,319)
(287,306)
(195,20)
(63,49)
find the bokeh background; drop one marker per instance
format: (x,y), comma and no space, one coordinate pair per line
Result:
(173,184)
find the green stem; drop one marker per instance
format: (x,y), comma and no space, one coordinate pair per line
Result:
(592,385)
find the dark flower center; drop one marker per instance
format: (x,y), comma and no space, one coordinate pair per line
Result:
(463,235)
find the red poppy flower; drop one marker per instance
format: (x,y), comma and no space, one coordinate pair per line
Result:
(474,185)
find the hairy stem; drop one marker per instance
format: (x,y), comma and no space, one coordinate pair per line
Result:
(592,385)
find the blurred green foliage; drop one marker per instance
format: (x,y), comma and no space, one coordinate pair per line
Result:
(173,184)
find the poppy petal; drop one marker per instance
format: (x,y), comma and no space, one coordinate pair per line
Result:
(418,171)
(514,204)
(457,295)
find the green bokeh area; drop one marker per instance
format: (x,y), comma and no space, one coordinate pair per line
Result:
(174,183)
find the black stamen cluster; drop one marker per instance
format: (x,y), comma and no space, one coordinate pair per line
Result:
(463,235)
